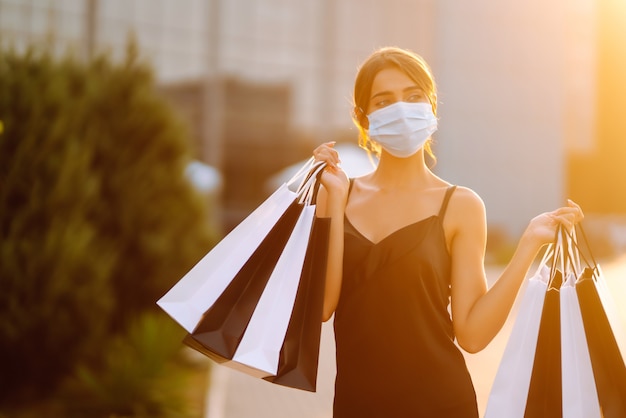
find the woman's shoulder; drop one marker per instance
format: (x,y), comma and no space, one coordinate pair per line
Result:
(466,194)
(466,203)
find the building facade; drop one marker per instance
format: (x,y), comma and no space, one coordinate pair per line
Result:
(517,80)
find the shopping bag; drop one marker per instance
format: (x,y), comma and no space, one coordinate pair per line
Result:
(578,368)
(604,334)
(223,324)
(544,392)
(610,309)
(260,345)
(189,299)
(260,315)
(510,387)
(299,355)
(580,399)
(607,362)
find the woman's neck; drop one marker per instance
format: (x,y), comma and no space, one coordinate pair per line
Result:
(403,173)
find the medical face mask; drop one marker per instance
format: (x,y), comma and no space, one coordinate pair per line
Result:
(402,128)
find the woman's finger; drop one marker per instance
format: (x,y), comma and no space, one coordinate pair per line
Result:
(327,153)
(569,211)
(568,220)
(579,212)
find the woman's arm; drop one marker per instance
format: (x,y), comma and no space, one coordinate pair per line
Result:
(331,203)
(478,314)
(332,206)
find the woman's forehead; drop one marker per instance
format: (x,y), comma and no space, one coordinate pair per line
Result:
(391,80)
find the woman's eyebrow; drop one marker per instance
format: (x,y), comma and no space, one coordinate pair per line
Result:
(386,92)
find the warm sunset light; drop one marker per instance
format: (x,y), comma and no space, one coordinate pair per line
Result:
(619,6)
(312,209)
(594,175)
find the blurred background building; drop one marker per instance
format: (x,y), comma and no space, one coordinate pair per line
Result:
(531,93)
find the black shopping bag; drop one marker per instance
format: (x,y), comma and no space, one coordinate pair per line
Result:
(601,324)
(267,321)
(607,362)
(544,393)
(190,298)
(299,355)
(222,326)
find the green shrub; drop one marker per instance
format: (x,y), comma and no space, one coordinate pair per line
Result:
(139,375)
(97,219)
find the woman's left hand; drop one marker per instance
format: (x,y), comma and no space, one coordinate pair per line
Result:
(542,228)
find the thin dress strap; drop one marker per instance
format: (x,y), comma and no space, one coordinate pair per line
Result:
(446,199)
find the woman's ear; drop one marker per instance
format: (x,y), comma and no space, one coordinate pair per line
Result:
(361,117)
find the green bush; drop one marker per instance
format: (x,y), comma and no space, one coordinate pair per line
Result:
(140,375)
(97,219)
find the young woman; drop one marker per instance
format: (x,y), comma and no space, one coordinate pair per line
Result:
(405,246)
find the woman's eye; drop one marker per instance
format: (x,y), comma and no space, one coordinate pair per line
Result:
(415,98)
(382,103)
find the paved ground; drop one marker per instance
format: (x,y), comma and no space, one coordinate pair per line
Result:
(236,395)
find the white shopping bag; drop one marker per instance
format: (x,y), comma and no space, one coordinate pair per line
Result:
(196,292)
(258,351)
(510,387)
(580,399)
(261,344)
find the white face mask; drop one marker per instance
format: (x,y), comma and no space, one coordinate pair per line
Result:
(402,128)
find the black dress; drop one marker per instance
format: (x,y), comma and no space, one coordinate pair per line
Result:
(396,355)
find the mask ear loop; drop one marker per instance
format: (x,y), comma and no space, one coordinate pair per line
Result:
(358,113)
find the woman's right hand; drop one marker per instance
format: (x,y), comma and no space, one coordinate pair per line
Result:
(334,179)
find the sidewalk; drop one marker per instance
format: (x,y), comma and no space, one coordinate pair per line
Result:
(235,395)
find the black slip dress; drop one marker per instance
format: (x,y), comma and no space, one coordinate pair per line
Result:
(395,348)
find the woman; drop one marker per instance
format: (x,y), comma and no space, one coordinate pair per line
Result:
(404,245)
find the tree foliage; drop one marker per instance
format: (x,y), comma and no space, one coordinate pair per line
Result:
(97,218)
